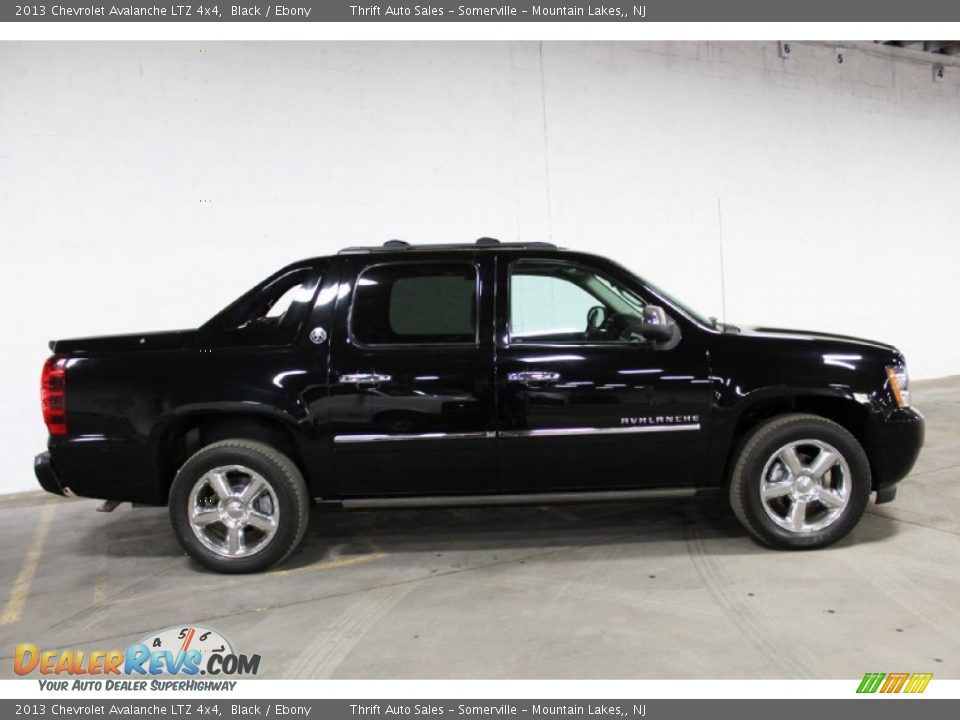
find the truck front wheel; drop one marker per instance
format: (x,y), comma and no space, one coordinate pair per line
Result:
(239,506)
(800,481)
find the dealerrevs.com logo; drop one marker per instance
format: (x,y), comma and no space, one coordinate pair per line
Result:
(179,651)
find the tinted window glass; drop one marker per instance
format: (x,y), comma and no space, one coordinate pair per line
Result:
(416,303)
(545,305)
(279,301)
(272,313)
(565,302)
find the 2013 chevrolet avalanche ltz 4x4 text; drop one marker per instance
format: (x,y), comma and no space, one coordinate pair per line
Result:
(481,374)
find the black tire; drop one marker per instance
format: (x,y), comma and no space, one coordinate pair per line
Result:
(759,447)
(286,487)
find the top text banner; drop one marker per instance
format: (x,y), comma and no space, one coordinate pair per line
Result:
(439,11)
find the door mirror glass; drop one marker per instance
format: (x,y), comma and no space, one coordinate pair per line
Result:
(596,319)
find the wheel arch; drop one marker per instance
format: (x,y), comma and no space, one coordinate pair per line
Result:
(837,407)
(188,432)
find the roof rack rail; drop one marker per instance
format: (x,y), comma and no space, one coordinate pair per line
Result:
(484,242)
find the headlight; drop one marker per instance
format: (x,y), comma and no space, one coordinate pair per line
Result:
(899,383)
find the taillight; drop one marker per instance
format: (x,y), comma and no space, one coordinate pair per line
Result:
(53,395)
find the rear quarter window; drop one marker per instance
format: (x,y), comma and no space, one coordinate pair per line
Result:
(272,314)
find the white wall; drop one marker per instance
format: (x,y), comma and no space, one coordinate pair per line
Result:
(143,186)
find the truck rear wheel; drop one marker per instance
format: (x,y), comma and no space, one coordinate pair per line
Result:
(800,482)
(239,506)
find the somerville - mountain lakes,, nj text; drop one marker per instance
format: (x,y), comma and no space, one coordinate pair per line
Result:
(500,11)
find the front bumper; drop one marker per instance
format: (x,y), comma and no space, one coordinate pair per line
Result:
(894,439)
(46,476)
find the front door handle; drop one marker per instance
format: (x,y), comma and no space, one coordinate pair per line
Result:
(364,379)
(533,376)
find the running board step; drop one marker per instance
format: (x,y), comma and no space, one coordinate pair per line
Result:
(439,501)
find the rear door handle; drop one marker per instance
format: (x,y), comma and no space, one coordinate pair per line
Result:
(364,379)
(533,376)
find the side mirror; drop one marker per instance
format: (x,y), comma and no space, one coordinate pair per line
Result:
(596,317)
(656,326)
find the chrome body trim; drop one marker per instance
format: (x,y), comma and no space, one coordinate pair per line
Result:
(533,376)
(559,432)
(586,496)
(364,379)
(347,439)
(542,432)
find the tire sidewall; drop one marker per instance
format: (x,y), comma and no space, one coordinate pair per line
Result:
(272,472)
(802,429)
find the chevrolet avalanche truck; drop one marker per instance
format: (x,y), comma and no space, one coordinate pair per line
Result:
(474,374)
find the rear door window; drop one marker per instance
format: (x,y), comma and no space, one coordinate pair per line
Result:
(415,303)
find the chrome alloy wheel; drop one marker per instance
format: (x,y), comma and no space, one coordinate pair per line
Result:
(233,511)
(805,486)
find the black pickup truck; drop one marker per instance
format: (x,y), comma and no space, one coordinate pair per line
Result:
(477,374)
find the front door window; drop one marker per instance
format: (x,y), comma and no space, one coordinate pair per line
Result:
(562,302)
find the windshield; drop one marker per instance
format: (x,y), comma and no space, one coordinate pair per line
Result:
(614,295)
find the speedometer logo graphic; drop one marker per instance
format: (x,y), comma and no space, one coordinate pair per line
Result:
(180,639)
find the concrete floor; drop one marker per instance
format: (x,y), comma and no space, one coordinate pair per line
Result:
(657,590)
